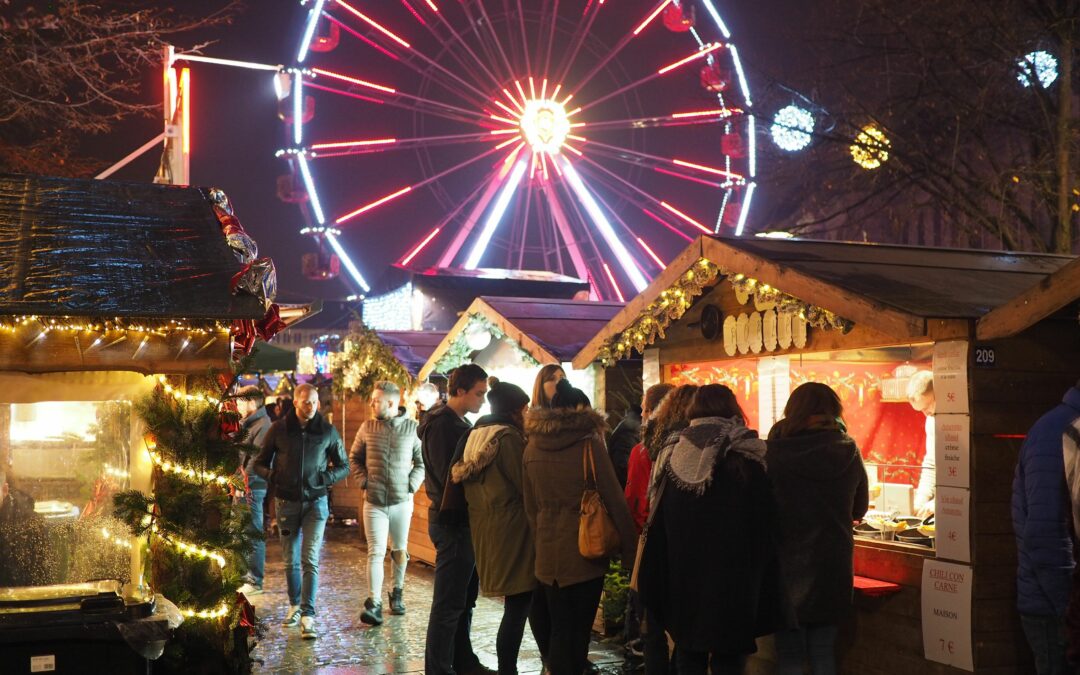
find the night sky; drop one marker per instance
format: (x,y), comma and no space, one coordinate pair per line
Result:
(236,131)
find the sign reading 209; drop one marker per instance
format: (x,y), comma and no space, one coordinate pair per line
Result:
(985,357)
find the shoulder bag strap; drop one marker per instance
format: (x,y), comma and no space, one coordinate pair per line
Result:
(587,463)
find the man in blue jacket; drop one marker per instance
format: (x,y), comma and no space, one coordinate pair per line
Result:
(1041,521)
(302,456)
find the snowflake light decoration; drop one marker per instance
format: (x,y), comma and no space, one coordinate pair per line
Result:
(1038,65)
(871,147)
(792,127)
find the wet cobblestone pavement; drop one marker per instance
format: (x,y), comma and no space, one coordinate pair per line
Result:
(347,646)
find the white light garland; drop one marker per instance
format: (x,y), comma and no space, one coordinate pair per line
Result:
(191,550)
(792,128)
(1038,66)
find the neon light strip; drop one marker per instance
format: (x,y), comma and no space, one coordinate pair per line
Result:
(683,176)
(693,57)
(500,132)
(496,215)
(309,31)
(707,169)
(652,255)
(298,108)
(432,6)
(353,80)
(716,17)
(745,209)
(225,62)
(347,261)
(310,185)
(685,217)
(611,278)
(742,76)
(555,92)
(543,89)
(724,112)
(374,24)
(517,83)
(185,103)
(512,100)
(532,87)
(503,119)
(751,138)
(505,143)
(377,202)
(507,109)
(648,20)
(353,144)
(666,224)
(625,259)
(419,248)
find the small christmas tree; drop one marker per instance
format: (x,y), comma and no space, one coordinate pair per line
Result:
(197,535)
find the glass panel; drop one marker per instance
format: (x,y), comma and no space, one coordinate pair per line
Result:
(66,459)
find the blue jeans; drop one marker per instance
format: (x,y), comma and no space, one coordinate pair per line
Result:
(1046,637)
(814,642)
(306,519)
(256,558)
(449,647)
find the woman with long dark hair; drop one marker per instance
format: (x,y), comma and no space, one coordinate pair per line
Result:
(544,387)
(820,486)
(708,569)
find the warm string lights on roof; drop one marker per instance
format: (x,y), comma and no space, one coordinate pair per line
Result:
(181,396)
(84,324)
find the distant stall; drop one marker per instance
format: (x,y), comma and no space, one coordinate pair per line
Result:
(763,316)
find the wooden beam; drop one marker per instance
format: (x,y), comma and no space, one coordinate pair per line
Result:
(675,269)
(1033,305)
(856,308)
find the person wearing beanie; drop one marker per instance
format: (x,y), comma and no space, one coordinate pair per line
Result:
(561,441)
(489,466)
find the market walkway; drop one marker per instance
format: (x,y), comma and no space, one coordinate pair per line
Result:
(346,645)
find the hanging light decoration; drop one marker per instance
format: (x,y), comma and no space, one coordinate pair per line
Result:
(871,147)
(792,128)
(1038,66)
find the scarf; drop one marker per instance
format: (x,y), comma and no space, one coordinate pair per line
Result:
(707,440)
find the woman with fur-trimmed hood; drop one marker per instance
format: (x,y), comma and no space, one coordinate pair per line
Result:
(709,570)
(558,438)
(490,469)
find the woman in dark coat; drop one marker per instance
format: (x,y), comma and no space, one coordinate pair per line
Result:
(820,487)
(553,481)
(490,468)
(709,567)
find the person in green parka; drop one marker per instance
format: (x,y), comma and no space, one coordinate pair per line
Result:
(489,464)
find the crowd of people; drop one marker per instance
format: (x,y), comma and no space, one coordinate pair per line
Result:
(729,536)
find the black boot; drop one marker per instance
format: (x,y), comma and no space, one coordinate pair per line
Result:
(372,614)
(397,602)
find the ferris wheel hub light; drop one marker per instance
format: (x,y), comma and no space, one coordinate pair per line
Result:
(544,125)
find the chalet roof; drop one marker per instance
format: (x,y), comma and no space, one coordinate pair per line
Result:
(552,330)
(411,348)
(926,282)
(893,289)
(562,327)
(95,248)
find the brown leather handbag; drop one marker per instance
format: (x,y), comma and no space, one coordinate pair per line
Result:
(597,536)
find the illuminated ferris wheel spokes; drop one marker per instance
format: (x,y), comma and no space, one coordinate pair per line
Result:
(542,167)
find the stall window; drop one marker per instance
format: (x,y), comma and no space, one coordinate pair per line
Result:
(892,433)
(62,463)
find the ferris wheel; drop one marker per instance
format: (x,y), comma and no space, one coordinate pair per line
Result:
(585,137)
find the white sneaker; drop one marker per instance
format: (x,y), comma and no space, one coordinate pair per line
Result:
(293,617)
(307,627)
(250,590)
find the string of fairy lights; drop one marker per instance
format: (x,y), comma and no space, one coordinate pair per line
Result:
(108,333)
(186,548)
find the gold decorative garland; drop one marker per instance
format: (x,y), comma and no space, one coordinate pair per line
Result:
(672,303)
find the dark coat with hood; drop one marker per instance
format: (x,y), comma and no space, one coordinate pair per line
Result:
(490,469)
(709,569)
(302,462)
(819,483)
(440,432)
(554,481)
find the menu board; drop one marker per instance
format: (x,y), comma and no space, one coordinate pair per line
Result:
(952,450)
(951,376)
(946,613)
(953,523)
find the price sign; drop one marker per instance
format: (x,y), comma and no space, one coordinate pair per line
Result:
(946,613)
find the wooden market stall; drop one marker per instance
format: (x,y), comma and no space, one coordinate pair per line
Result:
(106,290)
(763,315)
(511,338)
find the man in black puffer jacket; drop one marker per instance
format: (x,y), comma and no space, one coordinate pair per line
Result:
(303,456)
